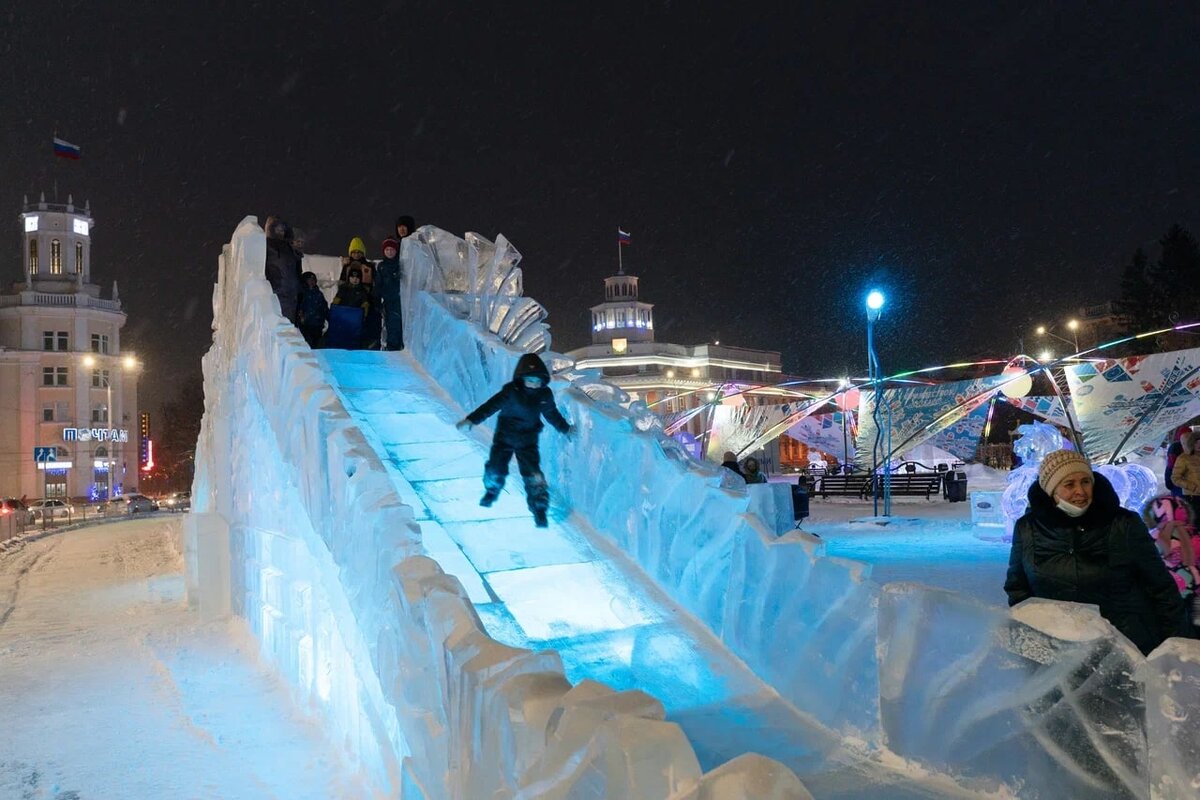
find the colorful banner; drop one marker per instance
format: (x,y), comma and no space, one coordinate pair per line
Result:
(824,432)
(1129,403)
(739,426)
(1048,408)
(961,439)
(918,413)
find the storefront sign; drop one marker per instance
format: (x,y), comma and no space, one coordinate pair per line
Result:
(95,434)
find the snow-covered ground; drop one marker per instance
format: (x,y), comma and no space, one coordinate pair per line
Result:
(925,541)
(111,688)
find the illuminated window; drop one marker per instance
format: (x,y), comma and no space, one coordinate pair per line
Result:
(79,256)
(33,257)
(56,267)
(31,224)
(620,345)
(81,227)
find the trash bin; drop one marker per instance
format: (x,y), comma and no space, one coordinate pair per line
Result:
(800,501)
(956,486)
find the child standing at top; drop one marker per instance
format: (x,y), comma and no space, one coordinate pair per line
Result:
(522,404)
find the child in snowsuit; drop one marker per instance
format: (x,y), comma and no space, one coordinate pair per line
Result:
(388,277)
(314,310)
(522,404)
(354,295)
(1171,523)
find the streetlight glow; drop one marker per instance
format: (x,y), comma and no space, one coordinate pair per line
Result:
(89,361)
(1041,330)
(1073,324)
(1046,356)
(875,300)
(130,362)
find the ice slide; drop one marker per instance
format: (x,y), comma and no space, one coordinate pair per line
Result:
(328,516)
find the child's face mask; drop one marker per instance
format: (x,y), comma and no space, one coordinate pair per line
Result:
(532,382)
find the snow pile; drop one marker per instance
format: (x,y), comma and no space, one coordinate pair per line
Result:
(297,528)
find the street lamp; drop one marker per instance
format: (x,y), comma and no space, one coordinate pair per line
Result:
(843,387)
(1072,326)
(875,300)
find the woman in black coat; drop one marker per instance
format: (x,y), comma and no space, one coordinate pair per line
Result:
(1076,543)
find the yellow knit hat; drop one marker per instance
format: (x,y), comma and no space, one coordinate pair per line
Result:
(1058,465)
(357,244)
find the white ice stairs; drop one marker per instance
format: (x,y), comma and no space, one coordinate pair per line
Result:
(565,588)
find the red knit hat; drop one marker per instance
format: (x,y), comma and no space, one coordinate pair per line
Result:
(389,243)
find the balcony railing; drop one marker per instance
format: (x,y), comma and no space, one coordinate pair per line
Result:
(57,300)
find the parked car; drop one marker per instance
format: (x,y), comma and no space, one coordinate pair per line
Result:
(50,509)
(176,501)
(11,506)
(138,503)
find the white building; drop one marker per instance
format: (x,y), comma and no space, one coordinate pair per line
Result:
(68,392)
(673,378)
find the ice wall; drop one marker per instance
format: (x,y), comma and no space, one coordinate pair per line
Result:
(296,527)
(1036,699)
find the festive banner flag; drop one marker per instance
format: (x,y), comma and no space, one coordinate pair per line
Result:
(824,432)
(64,149)
(961,439)
(1049,408)
(622,237)
(1127,403)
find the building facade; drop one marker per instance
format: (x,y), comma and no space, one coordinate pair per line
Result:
(68,391)
(673,379)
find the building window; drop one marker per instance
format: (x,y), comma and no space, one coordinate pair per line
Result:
(79,256)
(56,483)
(101,452)
(33,257)
(99,378)
(54,376)
(62,411)
(48,412)
(100,413)
(100,343)
(56,340)
(55,257)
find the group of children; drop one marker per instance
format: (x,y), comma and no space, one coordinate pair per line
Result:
(1171,521)
(366,312)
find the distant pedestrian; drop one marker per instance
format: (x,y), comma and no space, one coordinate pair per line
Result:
(1173,451)
(522,403)
(389,280)
(751,471)
(314,311)
(1186,472)
(729,461)
(1076,543)
(282,267)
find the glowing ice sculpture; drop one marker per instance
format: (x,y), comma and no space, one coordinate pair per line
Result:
(1133,483)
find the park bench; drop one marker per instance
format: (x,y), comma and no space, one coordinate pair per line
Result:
(853,485)
(913,484)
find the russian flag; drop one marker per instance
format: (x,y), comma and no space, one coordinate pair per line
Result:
(64,149)
(622,237)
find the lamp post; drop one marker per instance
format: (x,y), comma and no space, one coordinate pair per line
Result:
(875,301)
(1072,326)
(843,386)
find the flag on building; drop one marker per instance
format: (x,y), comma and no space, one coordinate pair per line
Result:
(64,149)
(622,237)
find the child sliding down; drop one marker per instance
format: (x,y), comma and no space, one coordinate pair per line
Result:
(522,404)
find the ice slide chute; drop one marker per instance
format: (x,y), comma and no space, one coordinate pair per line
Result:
(312,529)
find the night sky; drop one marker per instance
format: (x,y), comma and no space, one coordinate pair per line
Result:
(989,165)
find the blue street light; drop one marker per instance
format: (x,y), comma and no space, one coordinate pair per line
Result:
(875,301)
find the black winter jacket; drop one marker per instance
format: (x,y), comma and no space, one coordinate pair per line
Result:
(283,271)
(350,295)
(314,308)
(1105,557)
(522,409)
(387,279)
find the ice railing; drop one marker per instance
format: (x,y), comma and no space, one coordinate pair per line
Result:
(1047,698)
(297,528)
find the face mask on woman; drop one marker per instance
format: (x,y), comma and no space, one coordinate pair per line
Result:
(1070,510)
